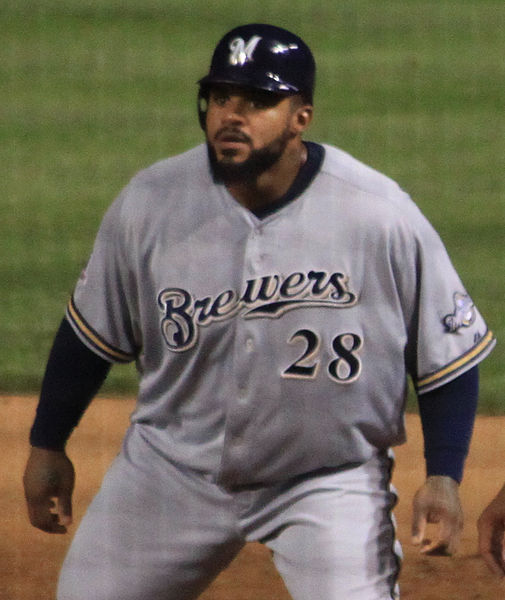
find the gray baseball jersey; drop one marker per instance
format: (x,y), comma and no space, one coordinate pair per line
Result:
(272,347)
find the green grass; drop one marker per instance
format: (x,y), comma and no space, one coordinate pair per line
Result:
(93,90)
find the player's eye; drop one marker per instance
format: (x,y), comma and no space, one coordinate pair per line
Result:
(219,97)
(258,104)
(263,100)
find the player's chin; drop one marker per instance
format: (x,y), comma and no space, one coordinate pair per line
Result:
(233,153)
(233,161)
(229,165)
(232,170)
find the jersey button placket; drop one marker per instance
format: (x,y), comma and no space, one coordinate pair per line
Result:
(238,410)
(239,414)
(254,252)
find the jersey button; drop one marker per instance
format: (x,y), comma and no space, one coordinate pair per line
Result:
(242,399)
(249,344)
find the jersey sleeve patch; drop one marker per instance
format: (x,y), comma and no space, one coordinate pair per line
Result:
(458,366)
(97,343)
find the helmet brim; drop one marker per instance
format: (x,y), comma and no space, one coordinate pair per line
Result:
(270,83)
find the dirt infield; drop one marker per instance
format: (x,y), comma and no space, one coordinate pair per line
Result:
(29,559)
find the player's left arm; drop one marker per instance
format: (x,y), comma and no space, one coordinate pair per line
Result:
(447,417)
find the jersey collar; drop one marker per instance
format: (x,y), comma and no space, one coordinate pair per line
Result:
(315,156)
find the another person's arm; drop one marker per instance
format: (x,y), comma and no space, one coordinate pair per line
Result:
(491,527)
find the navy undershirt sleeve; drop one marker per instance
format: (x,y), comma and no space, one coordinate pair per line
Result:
(73,376)
(447,416)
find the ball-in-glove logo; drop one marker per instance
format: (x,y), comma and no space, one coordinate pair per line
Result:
(463,315)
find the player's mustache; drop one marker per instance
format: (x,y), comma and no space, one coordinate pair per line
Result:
(233,135)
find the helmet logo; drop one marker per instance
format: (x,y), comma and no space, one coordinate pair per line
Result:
(242,52)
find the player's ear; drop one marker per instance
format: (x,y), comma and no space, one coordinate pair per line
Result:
(305,116)
(302,115)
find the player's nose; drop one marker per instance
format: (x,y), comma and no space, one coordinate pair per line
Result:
(234,109)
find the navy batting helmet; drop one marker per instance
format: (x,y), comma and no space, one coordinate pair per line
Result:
(262,57)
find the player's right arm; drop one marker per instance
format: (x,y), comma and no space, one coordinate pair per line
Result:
(73,376)
(49,482)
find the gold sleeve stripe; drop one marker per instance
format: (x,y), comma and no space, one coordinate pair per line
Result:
(112,353)
(486,341)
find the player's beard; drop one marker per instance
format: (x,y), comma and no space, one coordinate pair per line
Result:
(259,161)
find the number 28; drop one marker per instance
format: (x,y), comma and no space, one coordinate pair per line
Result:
(345,368)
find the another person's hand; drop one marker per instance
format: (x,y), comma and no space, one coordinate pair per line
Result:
(437,502)
(48,483)
(491,527)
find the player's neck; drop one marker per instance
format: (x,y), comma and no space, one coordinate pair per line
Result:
(271,185)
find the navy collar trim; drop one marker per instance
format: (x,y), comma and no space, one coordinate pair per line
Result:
(315,156)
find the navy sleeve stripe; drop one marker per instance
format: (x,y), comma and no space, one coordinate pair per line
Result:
(458,366)
(100,346)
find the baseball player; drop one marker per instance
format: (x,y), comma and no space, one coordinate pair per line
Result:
(275,294)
